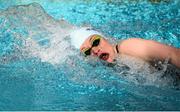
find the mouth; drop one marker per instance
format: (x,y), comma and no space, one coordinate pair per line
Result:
(104,56)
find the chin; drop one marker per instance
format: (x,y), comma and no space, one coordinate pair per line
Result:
(110,60)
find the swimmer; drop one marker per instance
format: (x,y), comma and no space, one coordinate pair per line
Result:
(93,43)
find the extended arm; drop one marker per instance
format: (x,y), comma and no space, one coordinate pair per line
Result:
(150,50)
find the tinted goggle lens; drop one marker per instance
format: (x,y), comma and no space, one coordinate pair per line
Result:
(95,42)
(87,52)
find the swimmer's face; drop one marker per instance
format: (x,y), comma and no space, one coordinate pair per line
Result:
(97,46)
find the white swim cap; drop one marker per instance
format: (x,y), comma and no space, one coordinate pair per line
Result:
(78,36)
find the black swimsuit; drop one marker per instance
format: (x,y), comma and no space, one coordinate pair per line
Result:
(117,50)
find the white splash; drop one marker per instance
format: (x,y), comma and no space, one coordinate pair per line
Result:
(43,36)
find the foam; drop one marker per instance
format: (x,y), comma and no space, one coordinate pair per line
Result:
(41,35)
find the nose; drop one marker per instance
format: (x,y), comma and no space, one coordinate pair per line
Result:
(95,51)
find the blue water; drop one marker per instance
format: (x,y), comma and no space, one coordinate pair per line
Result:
(40,77)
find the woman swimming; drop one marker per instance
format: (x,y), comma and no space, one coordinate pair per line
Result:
(93,43)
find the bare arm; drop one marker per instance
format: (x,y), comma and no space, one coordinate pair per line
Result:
(150,50)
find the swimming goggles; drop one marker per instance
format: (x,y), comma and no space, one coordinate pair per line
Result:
(94,43)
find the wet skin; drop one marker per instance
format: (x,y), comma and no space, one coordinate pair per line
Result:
(147,50)
(104,50)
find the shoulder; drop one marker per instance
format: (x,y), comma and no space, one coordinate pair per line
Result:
(132,44)
(132,40)
(135,47)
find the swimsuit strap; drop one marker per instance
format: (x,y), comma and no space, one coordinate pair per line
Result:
(117,50)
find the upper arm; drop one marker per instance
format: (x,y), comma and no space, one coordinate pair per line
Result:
(146,49)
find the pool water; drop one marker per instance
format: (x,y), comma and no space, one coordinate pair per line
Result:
(40,70)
